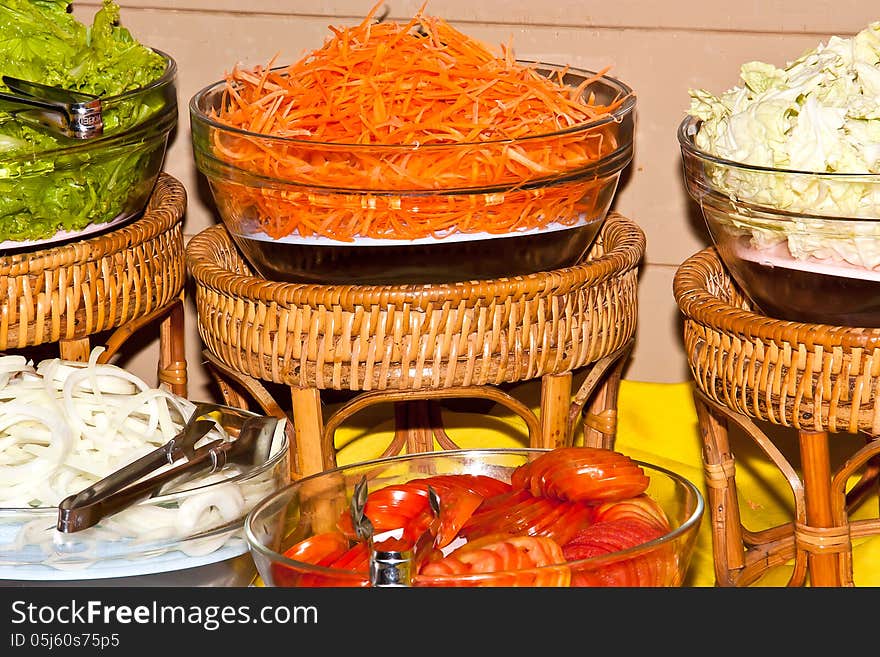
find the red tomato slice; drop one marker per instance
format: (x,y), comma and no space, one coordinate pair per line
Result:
(546,522)
(582,474)
(518,513)
(508,561)
(392,507)
(654,568)
(642,507)
(356,558)
(407,507)
(324,549)
(456,507)
(577,516)
(503,501)
(320,549)
(483,485)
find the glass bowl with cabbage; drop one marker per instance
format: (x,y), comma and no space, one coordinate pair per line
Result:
(53,187)
(786,170)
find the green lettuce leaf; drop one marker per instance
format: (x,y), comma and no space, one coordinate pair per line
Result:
(42,41)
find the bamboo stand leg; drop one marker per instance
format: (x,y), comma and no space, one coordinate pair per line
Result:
(555,400)
(308,428)
(816,465)
(722,503)
(600,419)
(172,350)
(77,350)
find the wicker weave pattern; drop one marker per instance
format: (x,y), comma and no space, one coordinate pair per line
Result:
(79,289)
(806,376)
(415,337)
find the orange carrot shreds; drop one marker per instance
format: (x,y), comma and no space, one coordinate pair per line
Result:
(412,130)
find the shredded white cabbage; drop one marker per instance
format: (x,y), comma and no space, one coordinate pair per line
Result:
(818,114)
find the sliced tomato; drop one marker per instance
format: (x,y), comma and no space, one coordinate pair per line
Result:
(582,474)
(499,561)
(482,485)
(320,549)
(407,506)
(546,523)
(641,507)
(324,549)
(456,507)
(503,501)
(653,568)
(356,558)
(519,513)
(577,516)
(392,507)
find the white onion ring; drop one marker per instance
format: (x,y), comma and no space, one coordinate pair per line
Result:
(64,425)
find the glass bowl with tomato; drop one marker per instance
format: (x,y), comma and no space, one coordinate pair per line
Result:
(571,516)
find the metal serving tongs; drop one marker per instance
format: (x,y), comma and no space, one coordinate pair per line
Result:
(392,562)
(251,445)
(70,113)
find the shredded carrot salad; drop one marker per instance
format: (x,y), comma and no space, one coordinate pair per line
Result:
(409,130)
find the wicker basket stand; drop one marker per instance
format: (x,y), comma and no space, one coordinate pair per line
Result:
(113,284)
(818,380)
(414,344)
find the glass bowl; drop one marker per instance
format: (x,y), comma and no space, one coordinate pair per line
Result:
(87,185)
(313,506)
(802,246)
(192,535)
(574,199)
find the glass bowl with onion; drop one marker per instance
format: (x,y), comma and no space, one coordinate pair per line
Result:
(496,528)
(431,185)
(66,425)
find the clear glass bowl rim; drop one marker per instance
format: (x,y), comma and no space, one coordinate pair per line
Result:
(128,548)
(689,126)
(592,562)
(153,124)
(617,116)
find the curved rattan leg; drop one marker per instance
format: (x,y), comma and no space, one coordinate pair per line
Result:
(841,505)
(172,349)
(868,483)
(743,556)
(410,415)
(171,370)
(240,389)
(723,504)
(600,388)
(417,425)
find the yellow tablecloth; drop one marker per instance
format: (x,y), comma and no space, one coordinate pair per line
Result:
(657,424)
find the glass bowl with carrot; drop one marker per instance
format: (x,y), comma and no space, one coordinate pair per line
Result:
(411,153)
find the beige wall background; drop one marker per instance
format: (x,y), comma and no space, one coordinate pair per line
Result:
(661,49)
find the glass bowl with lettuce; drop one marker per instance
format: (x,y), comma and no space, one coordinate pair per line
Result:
(786,169)
(54,187)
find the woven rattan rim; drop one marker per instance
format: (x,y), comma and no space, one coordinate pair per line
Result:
(163,211)
(624,246)
(696,287)
(75,290)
